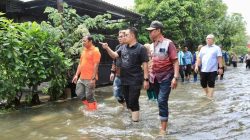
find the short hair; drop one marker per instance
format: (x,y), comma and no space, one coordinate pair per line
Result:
(210,36)
(90,38)
(200,46)
(134,31)
(122,31)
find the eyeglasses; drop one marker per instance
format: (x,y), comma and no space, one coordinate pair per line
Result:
(120,36)
(126,35)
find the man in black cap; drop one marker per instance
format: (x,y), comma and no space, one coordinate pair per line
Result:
(165,69)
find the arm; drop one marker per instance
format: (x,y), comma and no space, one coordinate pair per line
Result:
(74,80)
(145,70)
(112,74)
(176,73)
(96,65)
(176,68)
(93,78)
(145,73)
(113,67)
(174,60)
(219,58)
(110,52)
(197,64)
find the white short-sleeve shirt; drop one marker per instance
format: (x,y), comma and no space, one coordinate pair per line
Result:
(209,58)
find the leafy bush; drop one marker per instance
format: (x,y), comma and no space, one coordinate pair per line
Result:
(30,54)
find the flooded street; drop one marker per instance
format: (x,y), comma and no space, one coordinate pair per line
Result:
(192,116)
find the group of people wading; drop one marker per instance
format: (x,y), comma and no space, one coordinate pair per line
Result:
(154,66)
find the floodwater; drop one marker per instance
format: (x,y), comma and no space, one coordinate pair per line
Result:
(192,116)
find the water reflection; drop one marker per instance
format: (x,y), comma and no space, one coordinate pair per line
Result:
(192,116)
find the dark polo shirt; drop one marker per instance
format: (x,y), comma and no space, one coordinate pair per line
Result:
(131,63)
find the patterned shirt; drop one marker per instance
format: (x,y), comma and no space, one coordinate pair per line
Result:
(163,56)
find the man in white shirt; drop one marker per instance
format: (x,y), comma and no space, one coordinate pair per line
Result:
(209,58)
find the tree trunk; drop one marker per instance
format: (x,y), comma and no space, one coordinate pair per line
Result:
(35,97)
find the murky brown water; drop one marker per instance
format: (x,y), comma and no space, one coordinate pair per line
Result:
(192,117)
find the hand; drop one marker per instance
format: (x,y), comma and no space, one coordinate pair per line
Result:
(112,77)
(196,69)
(75,78)
(192,67)
(173,83)
(220,71)
(146,85)
(92,83)
(104,45)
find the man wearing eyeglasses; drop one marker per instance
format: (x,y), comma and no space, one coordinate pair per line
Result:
(116,70)
(209,58)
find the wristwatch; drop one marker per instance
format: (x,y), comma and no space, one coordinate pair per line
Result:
(93,78)
(112,71)
(146,79)
(220,67)
(176,78)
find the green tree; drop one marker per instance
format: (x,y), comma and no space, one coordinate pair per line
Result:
(29,55)
(239,50)
(72,28)
(232,31)
(186,22)
(10,81)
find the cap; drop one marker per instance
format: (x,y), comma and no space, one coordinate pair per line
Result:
(155,25)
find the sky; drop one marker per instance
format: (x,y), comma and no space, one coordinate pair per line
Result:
(234,6)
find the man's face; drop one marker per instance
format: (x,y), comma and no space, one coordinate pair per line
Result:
(128,36)
(153,34)
(210,41)
(86,42)
(121,38)
(186,49)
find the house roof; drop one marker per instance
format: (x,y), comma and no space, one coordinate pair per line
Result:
(83,7)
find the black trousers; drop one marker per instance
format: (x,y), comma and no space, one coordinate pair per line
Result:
(131,94)
(208,79)
(248,64)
